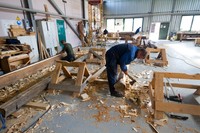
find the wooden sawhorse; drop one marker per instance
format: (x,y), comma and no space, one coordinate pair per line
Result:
(163,61)
(157,95)
(66,81)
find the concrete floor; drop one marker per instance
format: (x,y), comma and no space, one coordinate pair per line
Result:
(79,117)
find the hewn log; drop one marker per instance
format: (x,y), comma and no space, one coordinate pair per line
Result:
(19,100)
(14,76)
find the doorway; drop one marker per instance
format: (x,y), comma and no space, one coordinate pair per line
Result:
(164,27)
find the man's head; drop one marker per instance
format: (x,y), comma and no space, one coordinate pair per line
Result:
(141,54)
(62,41)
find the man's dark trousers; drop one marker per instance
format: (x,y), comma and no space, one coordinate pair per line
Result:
(111,66)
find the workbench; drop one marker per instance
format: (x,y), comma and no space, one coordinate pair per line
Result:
(187,36)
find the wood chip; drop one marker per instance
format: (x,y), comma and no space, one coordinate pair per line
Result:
(43,106)
(18,113)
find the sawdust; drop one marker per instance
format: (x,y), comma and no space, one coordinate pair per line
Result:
(15,125)
(103,114)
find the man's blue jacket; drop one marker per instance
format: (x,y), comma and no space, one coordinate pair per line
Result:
(124,54)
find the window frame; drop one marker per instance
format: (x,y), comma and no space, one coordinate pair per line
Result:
(124,23)
(190,30)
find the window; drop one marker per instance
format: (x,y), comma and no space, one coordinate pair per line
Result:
(110,25)
(186,23)
(196,22)
(190,23)
(124,24)
(119,25)
(137,23)
(128,25)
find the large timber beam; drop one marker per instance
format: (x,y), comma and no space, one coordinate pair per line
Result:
(53,3)
(16,102)
(14,76)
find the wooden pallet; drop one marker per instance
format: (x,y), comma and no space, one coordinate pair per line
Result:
(157,95)
(163,61)
(66,82)
(96,55)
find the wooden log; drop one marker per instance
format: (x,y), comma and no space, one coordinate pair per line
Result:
(10,78)
(16,102)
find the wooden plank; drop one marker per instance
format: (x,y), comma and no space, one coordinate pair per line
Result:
(40,46)
(95,54)
(61,78)
(94,61)
(56,73)
(164,58)
(101,81)
(16,102)
(93,77)
(80,74)
(15,26)
(153,127)
(152,96)
(70,64)
(46,10)
(66,72)
(82,58)
(18,57)
(180,75)
(188,86)
(98,49)
(38,105)
(18,113)
(159,96)
(178,108)
(84,84)
(10,78)
(153,50)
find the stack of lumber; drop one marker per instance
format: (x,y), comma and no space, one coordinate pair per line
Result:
(16,30)
(42,49)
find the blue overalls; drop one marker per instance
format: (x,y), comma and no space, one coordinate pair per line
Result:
(121,54)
